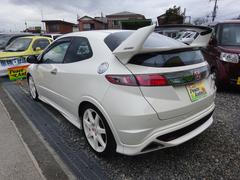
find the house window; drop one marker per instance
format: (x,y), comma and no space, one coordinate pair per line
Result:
(53,28)
(115,22)
(88,26)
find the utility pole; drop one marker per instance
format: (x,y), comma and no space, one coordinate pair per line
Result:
(43,28)
(214,13)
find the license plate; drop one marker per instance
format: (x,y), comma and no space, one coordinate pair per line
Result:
(238,81)
(196,91)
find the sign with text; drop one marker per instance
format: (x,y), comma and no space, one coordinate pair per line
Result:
(16,73)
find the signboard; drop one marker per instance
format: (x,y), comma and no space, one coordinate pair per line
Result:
(16,73)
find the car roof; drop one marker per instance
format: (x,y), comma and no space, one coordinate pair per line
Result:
(36,37)
(234,21)
(94,33)
(13,35)
(51,34)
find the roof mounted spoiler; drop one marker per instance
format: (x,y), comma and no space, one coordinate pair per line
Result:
(133,44)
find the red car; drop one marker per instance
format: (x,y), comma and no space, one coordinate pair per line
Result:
(223,53)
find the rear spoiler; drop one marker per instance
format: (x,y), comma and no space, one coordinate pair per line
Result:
(134,43)
(204,33)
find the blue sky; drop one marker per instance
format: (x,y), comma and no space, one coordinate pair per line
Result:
(14,13)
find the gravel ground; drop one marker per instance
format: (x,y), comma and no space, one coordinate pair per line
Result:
(214,154)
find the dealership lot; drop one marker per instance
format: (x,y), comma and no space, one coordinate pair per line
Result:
(215,154)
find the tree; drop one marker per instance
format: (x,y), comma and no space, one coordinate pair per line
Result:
(174,11)
(172,16)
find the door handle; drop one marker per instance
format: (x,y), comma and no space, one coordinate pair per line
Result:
(54,71)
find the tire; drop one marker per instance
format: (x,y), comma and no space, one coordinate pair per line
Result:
(97,132)
(32,89)
(220,86)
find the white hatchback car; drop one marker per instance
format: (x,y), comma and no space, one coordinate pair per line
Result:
(132,92)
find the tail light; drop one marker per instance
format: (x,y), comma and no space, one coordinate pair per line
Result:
(151,80)
(138,80)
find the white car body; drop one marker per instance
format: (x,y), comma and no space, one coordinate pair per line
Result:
(136,115)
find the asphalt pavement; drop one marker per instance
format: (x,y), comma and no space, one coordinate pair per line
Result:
(214,154)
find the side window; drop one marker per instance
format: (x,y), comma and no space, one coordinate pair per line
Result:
(56,53)
(40,43)
(79,50)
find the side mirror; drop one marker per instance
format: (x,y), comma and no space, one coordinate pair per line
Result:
(37,49)
(213,41)
(32,59)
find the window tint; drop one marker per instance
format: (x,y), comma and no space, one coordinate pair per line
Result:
(115,39)
(168,59)
(56,53)
(230,35)
(41,43)
(79,50)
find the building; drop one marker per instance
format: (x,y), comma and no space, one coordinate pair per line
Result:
(58,26)
(172,19)
(87,23)
(127,20)
(35,29)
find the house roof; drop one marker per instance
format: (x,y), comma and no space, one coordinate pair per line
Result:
(125,13)
(94,19)
(58,21)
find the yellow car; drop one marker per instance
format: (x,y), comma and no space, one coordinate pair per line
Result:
(15,53)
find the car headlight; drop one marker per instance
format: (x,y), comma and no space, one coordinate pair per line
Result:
(229,57)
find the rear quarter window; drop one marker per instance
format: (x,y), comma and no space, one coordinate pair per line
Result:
(79,50)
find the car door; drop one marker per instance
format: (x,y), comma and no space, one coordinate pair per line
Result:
(46,70)
(64,81)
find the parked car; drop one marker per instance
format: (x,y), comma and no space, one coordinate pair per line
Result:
(53,36)
(223,53)
(188,37)
(6,39)
(16,52)
(131,91)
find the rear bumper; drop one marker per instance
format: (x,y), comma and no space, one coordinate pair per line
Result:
(173,135)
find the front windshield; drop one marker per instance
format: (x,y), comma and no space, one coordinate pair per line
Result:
(20,44)
(4,40)
(230,35)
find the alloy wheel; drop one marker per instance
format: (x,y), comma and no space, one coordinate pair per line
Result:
(94,130)
(32,88)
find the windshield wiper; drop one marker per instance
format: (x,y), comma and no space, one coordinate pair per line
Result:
(11,50)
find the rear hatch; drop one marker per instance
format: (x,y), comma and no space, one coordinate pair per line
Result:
(188,89)
(172,76)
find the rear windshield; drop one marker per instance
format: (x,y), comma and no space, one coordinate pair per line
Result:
(168,59)
(154,40)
